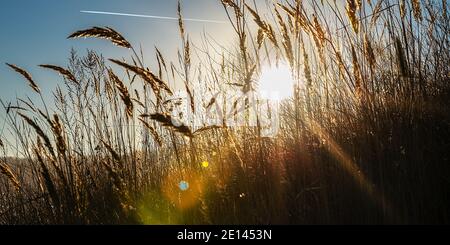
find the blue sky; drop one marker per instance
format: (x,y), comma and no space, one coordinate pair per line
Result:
(34,32)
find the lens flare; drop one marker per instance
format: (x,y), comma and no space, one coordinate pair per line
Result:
(183,190)
(184,186)
(205,164)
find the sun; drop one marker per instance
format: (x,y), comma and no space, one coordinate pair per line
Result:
(276,82)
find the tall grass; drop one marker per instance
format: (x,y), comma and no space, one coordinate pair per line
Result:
(364,139)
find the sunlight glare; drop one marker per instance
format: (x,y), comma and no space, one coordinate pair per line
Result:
(276,82)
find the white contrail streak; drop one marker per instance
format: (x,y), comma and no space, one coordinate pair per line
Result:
(151,16)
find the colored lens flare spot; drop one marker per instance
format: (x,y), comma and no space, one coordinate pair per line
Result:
(184,186)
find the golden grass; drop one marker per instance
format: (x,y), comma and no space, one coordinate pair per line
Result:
(7,171)
(67,74)
(27,76)
(105,33)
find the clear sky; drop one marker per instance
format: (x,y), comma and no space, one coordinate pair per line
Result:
(34,32)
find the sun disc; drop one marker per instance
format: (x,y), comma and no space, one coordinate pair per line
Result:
(276,82)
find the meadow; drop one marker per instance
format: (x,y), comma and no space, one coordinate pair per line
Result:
(362,138)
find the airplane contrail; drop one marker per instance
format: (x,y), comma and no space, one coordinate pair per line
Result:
(152,16)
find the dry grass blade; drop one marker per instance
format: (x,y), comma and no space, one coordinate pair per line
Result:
(6,170)
(319,31)
(402,8)
(50,185)
(187,52)
(42,153)
(287,45)
(319,36)
(29,104)
(26,75)
(401,58)
(200,130)
(357,73)
(167,121)
(295,14)
(124,95)
(211,103)
(9,108)
(114,154)
(40,132)
(187,57)
(260,38)
(117,180)
(417,11)
(59,134)
(444,8)
(289,11)
(137,95)
(161,58)
(307,68)
(149,77)
(49,121)
(256,17)
(341,64)
(352,8)
(67,74)
(191,96)
(265,27)
(180,20)
(376,13)
(105,33)
(370,55)
(138,102)
(248,79)
(152,131)
(232,4)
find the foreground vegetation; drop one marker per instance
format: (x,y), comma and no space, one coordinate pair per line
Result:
(364,139)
